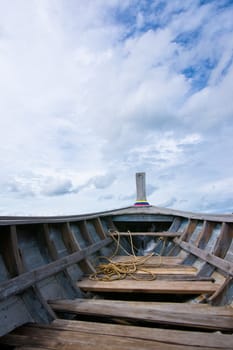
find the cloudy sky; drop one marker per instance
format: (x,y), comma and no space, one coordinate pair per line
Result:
(93,91)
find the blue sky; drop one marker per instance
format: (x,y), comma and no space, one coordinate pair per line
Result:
(94,91)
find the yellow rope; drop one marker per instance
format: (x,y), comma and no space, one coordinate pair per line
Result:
(118,270)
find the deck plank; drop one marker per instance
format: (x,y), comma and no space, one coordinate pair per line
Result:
(70,335)
(191,315)
(68,340)
(156,286)
(171,270)
(153,261)
(201,339)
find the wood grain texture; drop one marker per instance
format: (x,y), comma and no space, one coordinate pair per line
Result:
(71,335)
(161,286)
(153,261)
(188,315)
(18,284)
(208,257)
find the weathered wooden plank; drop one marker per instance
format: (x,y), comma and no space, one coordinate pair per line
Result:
(192,315)
(152,261)
(223,265)
(161,286)
(169,270)
(167,336)
(69,340)
(18,284)
(70,333)
(154,234)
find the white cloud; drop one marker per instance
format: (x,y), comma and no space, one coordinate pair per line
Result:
(93,92)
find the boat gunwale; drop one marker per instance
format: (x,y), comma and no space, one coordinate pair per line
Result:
(152,210)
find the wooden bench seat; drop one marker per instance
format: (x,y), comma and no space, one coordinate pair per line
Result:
(71,335)
(182,314)
(153,261)
(155,286)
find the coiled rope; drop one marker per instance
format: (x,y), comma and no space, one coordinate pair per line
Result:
(118,270)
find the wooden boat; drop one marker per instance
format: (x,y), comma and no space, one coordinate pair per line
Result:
(177,294)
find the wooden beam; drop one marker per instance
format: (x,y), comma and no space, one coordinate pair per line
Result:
(68,340)
(168,270)
(25,280)
(223,265)
(152,261)
(67,335)
(182,314)
(167,336)
(154,234)
(155,287)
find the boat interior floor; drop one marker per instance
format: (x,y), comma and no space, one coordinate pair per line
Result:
(124,314)
(99,297)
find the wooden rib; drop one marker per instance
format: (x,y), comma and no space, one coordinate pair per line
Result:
(184,236)
(154,234)
(74,246)
(202,240)
(49,243)
(220,248)
(19,283)
(34,301)
(188,315)
(224,241)
(175,224)
(213,299)
(85,232)
(189,230)
(12,253)
(99,228)
(223,265)
(159,287)
(205,234)
(71,286)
